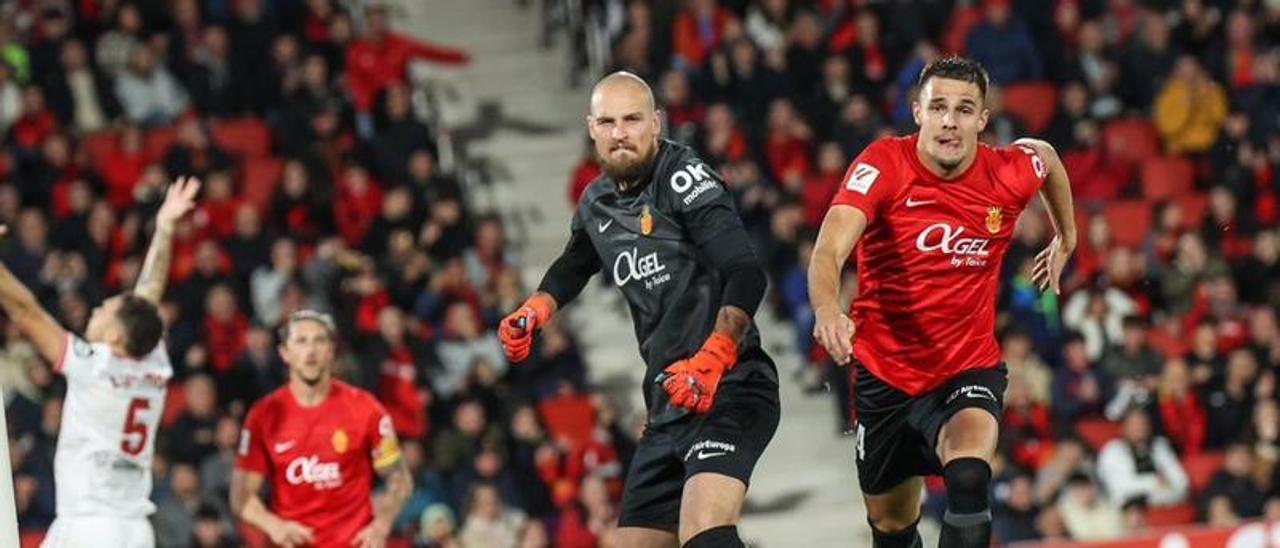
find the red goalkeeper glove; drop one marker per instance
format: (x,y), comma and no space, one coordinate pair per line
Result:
(692,383)
(516,330)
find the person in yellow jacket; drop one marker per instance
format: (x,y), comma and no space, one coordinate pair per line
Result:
(1190,109)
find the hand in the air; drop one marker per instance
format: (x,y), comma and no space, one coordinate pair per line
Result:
(179,200)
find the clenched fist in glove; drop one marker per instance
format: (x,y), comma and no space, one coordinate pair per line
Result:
(516,330)
(692,383)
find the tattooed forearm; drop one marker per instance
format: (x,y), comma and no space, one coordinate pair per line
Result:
(155,269)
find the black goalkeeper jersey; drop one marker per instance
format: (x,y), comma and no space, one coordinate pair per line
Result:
(651,243)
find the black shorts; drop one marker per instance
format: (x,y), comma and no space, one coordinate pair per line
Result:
(728,440)
(897,435)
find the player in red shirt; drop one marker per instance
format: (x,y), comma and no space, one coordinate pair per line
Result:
(932,215)
(319,440)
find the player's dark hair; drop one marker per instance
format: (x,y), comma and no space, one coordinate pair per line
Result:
(953,67)
(142,325)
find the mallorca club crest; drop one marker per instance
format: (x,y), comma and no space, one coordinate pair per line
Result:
(339,441)
(646,221)
(993,219)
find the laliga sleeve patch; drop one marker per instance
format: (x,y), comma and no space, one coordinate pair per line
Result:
(81,348)
(861,177)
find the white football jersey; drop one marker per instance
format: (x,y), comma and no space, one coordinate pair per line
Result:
(109,422)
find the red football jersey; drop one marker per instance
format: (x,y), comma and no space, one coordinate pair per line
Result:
(929,261)
(320,460)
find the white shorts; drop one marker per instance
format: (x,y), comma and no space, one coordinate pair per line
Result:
(85,531)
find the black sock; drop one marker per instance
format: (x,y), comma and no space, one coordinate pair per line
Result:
(967,522)
(906,538)
(724,536)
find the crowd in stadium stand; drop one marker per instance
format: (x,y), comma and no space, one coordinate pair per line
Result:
(1143,396)
(322,190)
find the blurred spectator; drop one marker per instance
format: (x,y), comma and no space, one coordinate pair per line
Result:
(1014,510)
(216,86)
(215,469)
(1079,390)
(1147,61)
(148,92)
(1190,109)
(398,360)
(1086,513)
(1026,430)
(584,523)
(399,134)
(1140,465)
(1002,127)
(192,436)
(1180,414)
(1230,402)
(379,58)
(210,530)
(82,96)
(1233,494)
(1099,316)
(174,520)
(489,522)
(1025,367)
(464,346)
(584,173)
(699,28)
(437,528)
(1132,358)
(116,45)
(194,151)
(1002,43)
(268,281)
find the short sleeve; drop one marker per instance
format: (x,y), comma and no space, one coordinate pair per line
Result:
(77,357)
(868,183)
(384,447)
(1029,169)
(251,452)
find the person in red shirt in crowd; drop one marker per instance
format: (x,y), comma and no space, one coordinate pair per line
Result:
(319,440)
(932,215)
(122,168)
(823,185)
(699,29)
(587,170)
(1027,428)
(358,205)
(380,57)
(1180,412)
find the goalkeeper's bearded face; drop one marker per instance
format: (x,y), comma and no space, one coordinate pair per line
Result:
(625,128)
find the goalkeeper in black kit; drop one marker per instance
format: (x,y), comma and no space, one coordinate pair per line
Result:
(661,223)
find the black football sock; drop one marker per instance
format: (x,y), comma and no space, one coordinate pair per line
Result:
(724,536)
(906,538)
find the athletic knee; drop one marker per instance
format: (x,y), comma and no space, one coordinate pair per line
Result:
(694,522)
(967,479)
(722,536)
(893,520)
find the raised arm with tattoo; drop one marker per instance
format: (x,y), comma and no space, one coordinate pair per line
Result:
(180,199)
